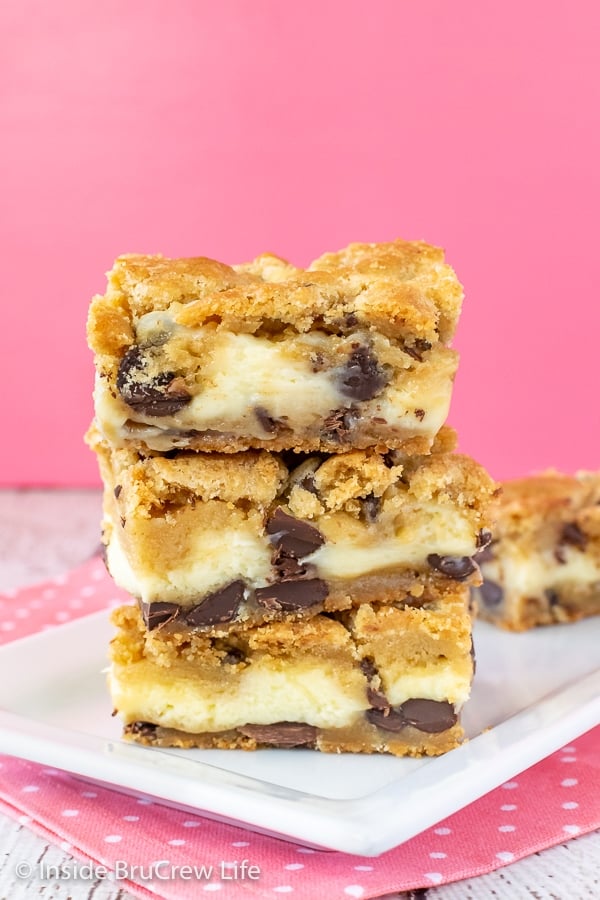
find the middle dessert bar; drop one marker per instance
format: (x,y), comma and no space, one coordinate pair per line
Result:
(224,541)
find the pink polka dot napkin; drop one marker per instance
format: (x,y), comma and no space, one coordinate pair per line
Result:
(152,850)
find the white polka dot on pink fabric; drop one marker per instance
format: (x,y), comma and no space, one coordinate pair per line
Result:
(30,788)
(442,831)
(510,785)
(177,842)
(505,856)
(508,807)
(98,574)
(62,616)
(113,838)
(21,613)
(70,813)
(568,750)
(75,604)
(570,805)
(131,818)
(212,886)
(438,855)
(35,604)
(504,828)
(571,829)
(7,626)
(89,794)
(434,877)
(363,868)
(47,594)
(294,867)
(87,590)
(240,844)
(569,782)
(354,890)
(191,824)
(283,889)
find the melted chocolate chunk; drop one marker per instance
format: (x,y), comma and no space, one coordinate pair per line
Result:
(218,607)
(560,555)
(338,425)
(292,536)
(483,539)
(159,613)
(369,508)
(308,483)
(271,424)
(281,734)
(457,567)
(141,729)
(491,593)
(162,395)
(552,597)
(377,699)
(289,596)
(368,668)
(362,378)
(420,414)
(573,535)
(117,490)
(485,555)
(233,656)
(417,349)
(388,719)
(430,716)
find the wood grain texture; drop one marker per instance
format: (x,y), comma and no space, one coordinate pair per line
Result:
(43,533)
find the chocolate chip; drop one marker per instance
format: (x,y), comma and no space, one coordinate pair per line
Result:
(473,657)
(220,606)
(141,729)
(485,555)
(338,425)
(491,593)
(350,320)
(430,716)
(417,349)
(420,414)
(560,555)
(233,656)
(369,508)
(307,483)
(292,536)
(292,595)
(377,699)
(388,719)
(271,424)
(483,539)
(159,613)
(457,567)
(117,490)
(368,668)
(572,534)
(552,597)
(123,521)
(362,378)
(317,362)
(161,395)
(281,734)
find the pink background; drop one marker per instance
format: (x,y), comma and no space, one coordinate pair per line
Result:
(225,129)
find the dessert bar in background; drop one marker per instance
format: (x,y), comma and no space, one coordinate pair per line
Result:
(380,678)
(215,541)
(543,565)
(348,354)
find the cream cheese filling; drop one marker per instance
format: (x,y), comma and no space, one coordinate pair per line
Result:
(266,692)
(532,575)
(222,556)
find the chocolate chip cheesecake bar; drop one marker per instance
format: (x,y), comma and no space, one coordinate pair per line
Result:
(350,353)
(222,541)
(543,565)
(378,679)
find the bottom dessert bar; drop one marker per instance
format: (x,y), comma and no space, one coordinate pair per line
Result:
(543,566)
(387,679)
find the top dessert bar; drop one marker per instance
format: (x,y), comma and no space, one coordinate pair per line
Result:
(543,565)
(351,352)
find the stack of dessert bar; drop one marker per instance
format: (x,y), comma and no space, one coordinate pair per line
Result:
(283,501)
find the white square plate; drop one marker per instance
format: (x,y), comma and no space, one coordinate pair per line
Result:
(533,693)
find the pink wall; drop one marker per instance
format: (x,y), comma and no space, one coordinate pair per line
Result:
(228,128)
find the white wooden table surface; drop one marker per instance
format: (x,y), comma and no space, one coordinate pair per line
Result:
(44,533)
